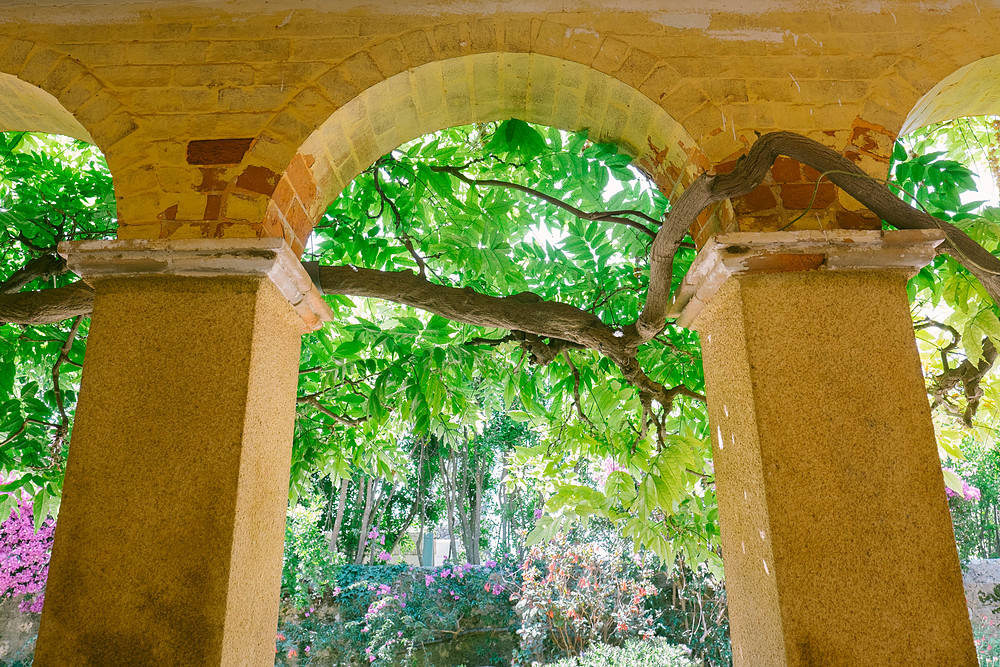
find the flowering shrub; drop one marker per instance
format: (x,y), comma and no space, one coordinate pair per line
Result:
(986,633)
(975,512)
(633,654)
(397,614)
(24,556)
(432,604)
(969,493)
(691,604)
(607,466)
(309,569)
(573,594)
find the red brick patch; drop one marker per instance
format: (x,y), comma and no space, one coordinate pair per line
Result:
(798,196)
(258,179)
(856,220)
(212,207)
(217,151)
(786,170)
(759,199)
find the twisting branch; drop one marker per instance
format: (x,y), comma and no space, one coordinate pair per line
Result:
(340,419)
(544,328)
(47,306)
(407,241)
(750,170)
(63,430)
(576,389)
(44,266)
(950,347)
(966,374)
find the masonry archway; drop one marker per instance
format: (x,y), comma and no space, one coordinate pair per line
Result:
(971,90)
(44,90)
(28,108)
(469,89)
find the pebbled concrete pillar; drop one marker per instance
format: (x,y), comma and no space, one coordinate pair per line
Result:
(836,536)
(169,544)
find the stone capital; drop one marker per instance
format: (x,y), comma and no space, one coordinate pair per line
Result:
(205,258)
(740,253)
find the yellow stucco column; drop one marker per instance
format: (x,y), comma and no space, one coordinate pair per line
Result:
(169,544)
(836,536)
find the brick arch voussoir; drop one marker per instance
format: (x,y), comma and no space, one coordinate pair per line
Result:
(289,188)
(86,109)
(90,103)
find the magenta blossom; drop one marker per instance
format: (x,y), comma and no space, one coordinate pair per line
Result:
(24,556)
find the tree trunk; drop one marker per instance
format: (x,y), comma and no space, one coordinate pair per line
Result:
(449,495)
(477,512)
(461,498)
(402,531)
(339,520)
(359,556)
(378,508)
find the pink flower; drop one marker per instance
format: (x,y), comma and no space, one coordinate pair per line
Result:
(608,466)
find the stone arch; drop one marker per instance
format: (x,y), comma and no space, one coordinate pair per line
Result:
(466,89)
(971,90)
(44,90)
(24,107)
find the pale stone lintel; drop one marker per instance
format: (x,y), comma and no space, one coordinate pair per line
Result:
(740,253)
(205,258)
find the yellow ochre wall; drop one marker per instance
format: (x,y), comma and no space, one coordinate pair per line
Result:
(204,107)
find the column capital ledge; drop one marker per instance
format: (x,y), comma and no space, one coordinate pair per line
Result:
(203,258)
(741,253)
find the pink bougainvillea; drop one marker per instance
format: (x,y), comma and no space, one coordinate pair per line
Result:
(24,556)
(607,466)
(969,492)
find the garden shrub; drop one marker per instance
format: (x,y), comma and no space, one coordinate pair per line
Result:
(309,569)
(403,615)
(976,510)
(576,593)
(691,604)
(986,634)
(635,653)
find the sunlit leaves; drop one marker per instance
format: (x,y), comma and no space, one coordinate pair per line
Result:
(52,189)
(950,171)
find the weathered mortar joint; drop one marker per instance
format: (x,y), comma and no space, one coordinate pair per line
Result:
(739,253)
(203,258)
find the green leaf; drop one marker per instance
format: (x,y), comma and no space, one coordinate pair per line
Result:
(349,349)
(953,481)
(972,342)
